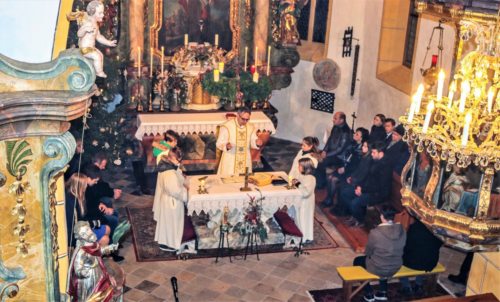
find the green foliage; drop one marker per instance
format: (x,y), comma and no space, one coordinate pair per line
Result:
(225,88)
(254,91)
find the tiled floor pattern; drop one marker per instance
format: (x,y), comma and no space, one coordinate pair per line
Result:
(276,277)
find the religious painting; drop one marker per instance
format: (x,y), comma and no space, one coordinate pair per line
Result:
(421,173)
(201,20)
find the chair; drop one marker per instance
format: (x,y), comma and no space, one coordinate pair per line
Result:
(290,229)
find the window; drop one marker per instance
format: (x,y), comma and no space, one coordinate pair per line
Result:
(313,26)
(411,36)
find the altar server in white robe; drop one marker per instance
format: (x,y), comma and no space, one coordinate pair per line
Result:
(308,150)
(236,137)
(168,207)
(306,183)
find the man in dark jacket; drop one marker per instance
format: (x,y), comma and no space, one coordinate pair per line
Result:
(398,152)
(383,253)
(335,151)
(375,189)
(389,125)
(421,253)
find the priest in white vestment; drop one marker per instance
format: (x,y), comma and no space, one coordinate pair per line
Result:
(306,183)
(236,137)
(168,207)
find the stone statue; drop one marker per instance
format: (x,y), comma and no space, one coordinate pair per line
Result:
(88,277)
(88,33)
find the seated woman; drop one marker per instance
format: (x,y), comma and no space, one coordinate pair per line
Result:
(168,207)
(76,210)
(306,183)
(308,150)
(377,132)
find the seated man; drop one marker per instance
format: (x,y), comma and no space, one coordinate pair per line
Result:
(383,253)
(336,147)
(398,152)
(375,189)
(389,125)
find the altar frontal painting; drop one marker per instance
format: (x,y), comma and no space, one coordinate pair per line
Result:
(200,19)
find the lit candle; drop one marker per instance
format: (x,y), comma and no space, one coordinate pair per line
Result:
(139,62)
(428,115)
(256,77)
(216,75)
(202,184)
(151,62)
(256,54)
(477,93)
(412,110)
(491,95)
(418,97)
(465,134)
(216,43)
(186,40)
(268,60)
(289,180)
(221,67)
(162,60)
(246,59)
(451,93)
(463,95)
(440,85)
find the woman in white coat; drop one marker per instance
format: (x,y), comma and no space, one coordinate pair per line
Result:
(168,207)
(306,183)
(308,150)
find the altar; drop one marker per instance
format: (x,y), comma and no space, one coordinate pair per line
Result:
(227,197)
(150,127)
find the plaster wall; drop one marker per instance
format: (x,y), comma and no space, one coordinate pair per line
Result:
(295,118)
(27,29)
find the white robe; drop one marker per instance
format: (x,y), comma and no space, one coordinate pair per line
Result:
(294,171)
(305,217)
(168,208)
(227,134)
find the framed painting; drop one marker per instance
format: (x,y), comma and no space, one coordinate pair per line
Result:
(200,19)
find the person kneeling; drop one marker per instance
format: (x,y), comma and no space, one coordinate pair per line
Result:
(383,253)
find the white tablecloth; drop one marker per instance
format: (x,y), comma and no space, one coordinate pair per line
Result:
(221,195)
(152,124)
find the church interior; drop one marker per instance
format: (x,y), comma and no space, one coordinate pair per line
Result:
(249,150)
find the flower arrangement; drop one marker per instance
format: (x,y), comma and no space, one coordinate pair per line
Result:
(252,221)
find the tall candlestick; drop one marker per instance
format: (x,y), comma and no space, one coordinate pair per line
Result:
(139,62)
(162,60)
(412,110)
(221,67)
(186,40)
(216,75)
(491,95)
(268,60)
(256,54)
(465,133)
(256,77)
(428,115)
(440,85)
(151,62)
(216,43)
(246,58)
(418,99)
(463,95)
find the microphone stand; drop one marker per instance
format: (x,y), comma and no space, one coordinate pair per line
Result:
(175,288)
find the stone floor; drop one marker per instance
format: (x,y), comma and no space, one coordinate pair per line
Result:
(276,277)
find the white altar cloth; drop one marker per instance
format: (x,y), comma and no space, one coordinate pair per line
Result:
(221,195)
(151,124)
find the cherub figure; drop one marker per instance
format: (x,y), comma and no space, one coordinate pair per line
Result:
(88,277)
(88,33)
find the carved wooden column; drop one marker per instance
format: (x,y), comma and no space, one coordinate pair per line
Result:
(261,28)
(37,101)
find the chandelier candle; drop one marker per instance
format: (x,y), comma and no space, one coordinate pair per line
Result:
(440,85)
(428,115)
(465,134)
(412,110)
(463,95)
(418,97)
(451,93)
(491,95)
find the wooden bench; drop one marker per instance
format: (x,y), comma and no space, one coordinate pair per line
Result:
(357,274)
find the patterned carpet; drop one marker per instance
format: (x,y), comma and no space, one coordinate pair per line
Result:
(146,249)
